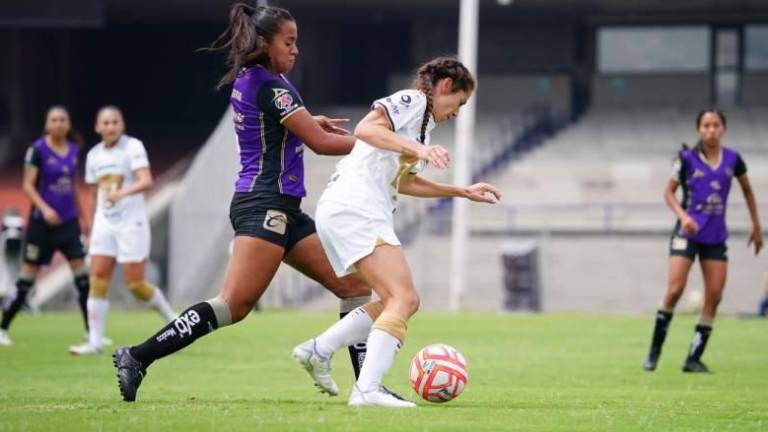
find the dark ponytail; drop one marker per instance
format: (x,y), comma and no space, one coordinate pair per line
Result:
(433,71)
(250,30)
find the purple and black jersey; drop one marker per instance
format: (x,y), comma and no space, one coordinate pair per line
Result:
(271,157)
(55,178)
(705,192)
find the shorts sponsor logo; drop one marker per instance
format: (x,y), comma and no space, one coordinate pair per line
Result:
(275,221)
(184,323)
(679,243)
(32,252)
(237,95)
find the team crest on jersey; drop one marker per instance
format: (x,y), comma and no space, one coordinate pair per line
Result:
(283,101)
(51,160)
(714,184)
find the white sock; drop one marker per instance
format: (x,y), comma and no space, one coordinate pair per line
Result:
(160,304)
(382,348)
(353,328)
(97,318)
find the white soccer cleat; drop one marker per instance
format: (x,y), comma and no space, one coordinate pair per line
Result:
(377,398)
(319,368)
(85,350)
(5,340)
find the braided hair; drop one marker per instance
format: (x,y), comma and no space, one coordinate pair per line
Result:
(433,71)
(250,31)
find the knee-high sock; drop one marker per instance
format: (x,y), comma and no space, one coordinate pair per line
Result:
(83,286)
(98,308)
(700,338)
(660,329)
(351,330)
(197,321)
(23,286)
(383,344)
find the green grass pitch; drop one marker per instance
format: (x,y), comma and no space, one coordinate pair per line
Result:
(527,372)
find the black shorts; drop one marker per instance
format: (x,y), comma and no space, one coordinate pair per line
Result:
(275,218)
(681,246)
(42,240)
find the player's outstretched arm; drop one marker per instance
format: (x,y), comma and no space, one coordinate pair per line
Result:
(311,131)
(418,186)
(376,130)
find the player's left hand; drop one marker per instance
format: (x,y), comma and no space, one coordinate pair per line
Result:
(331,125)
(757,238)
(483,192)
(114,196)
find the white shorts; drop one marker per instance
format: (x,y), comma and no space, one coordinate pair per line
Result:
(349,234)
(127,244)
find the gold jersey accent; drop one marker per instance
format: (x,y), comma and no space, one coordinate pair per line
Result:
(407,163)
(110,182)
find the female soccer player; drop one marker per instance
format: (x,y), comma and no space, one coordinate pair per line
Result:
(50,172)
(705,173)
(355,222)
(272,126)
(119,169)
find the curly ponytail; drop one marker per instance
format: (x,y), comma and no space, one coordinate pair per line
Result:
(250,31)
(433,71)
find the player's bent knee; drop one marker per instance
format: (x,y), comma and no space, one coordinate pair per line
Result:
(373,309)
(99,288)
(142,290)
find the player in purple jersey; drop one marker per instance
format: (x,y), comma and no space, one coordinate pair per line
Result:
(272,125)
(705,173)
(50,173)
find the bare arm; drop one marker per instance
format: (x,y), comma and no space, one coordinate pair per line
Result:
(749,196)
(687,222)
(376,130)
(418,186)
(304,126)
(28,186)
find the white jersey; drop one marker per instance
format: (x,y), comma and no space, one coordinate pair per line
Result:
(113,168)
(369,177)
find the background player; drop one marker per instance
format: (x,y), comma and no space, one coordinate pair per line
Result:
(272,126)
(705,173)
(119,169)
(50,178)
(355,221)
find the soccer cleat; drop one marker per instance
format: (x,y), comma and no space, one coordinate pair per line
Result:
(695,366)
(377,397)
(651,361)
(130,373)
(319,368)
(84,350)
(5,340)
(390,392)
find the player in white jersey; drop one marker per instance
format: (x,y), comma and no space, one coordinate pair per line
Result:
(118,168)
(355,222)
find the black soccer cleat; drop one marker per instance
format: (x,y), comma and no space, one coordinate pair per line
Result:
(651,361)
(130,373)
(390,392)
(695,366)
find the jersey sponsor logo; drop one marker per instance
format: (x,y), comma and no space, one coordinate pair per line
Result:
(283,101)
(276,221)
(51,160)
(405,99)
(714,184)
(698,173)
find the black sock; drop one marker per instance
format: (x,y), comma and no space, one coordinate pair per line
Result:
(83,285)
(663,318)
(22,289)
(699,342)
(356,352)
(195,322)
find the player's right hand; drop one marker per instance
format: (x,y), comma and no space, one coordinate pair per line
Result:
(436,155)
(51,217)
(689,225)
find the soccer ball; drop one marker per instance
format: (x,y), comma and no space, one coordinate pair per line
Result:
(439,373)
